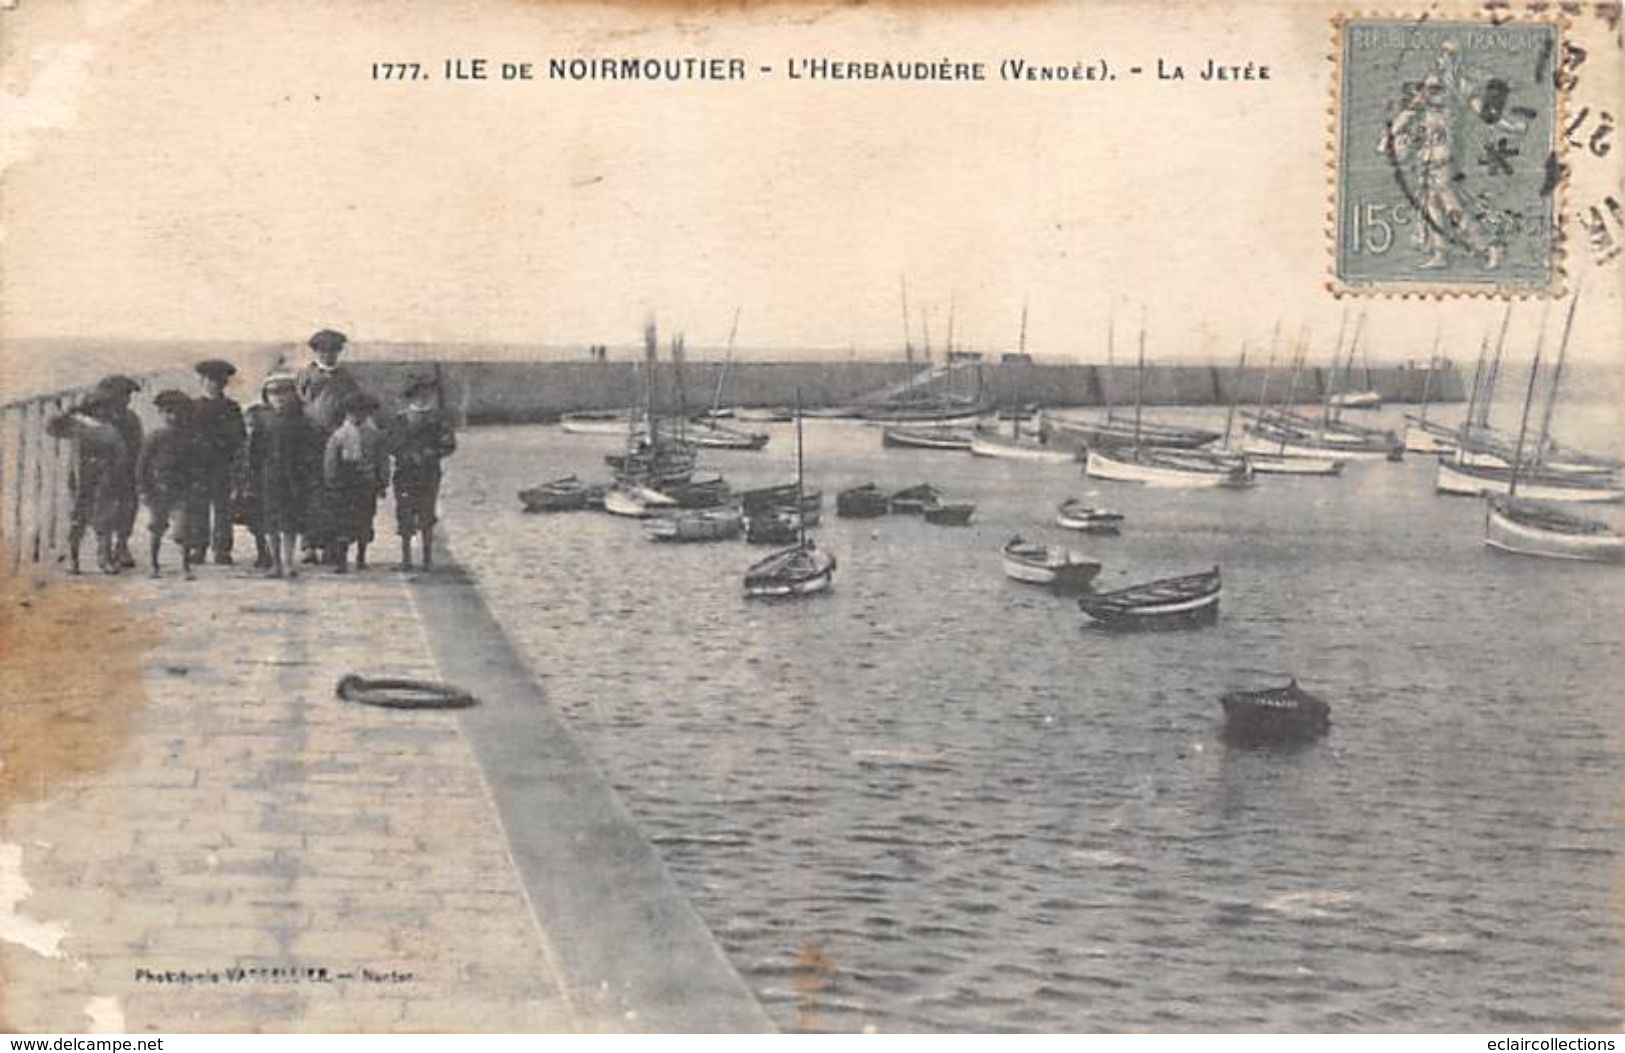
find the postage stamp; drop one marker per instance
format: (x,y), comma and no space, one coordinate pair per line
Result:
(1446,170)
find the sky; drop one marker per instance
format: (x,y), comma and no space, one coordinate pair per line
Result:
(181,170)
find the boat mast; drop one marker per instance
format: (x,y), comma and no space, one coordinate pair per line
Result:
(1427,379)
(651,353)
(1235,397)
(678,395)
(1111,361)
(1348,369)
(1139,386)
(1557,376)
(1269,367)
(1337,356)
(1529,397)
(801,507)
(908,339)
(1494,372)
(716,397)
(1298,361)
(1015,426)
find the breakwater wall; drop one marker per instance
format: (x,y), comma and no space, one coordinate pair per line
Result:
(487,392)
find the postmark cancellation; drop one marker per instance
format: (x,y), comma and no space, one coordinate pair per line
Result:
(1446,170)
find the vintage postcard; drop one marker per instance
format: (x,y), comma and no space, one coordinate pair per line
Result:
(811,517)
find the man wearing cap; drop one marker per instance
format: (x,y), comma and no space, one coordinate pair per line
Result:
(325,388)
(113,392)
(168,478)
(98,450)
(217,424)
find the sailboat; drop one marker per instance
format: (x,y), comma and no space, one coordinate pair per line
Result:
(1018,447)
(1422,435)
(1510,467)
(1159,466)
(1363,398)
(1273,462)
(803,569)
(1529,528)
(1072,432)
(655,459)
(706,432)
(1288,433)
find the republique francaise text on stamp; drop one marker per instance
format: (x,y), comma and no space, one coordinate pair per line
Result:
(1447,171)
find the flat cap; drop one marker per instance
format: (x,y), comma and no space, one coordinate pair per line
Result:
(117,384)
(328,340)
(170,399)
(215,368)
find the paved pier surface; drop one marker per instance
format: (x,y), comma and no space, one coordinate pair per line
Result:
(242,817)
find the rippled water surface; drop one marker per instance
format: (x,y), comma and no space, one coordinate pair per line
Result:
(931,800)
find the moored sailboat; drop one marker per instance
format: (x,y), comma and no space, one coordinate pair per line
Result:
(803,569)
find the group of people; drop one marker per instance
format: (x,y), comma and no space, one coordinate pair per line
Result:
(303,469)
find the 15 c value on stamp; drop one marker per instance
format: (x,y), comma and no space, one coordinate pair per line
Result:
(1446,168)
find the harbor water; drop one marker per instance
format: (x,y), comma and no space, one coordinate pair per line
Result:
(932,800)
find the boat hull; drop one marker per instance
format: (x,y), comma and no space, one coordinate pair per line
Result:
(1178,614)
(1294,464)
(791,573)
(951,513)
(594,424)
(982,446)
(1463,481)
(1121,433)
(1061,572)
(926,438)
(1100,465)
(1419,438)
(1280,715)
(1087,520)
(1505,533)
(1292,446)
(694,528)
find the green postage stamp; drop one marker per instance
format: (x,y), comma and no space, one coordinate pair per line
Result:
(1447,172)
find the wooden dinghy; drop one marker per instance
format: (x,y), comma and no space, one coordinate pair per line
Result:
(1276,714)
(1471,480)
(1019,449)
(913,500)
(568,494)
(1073,514)
(928,438)
(949,513)
(1182,469)
(714,524)
(1531,528)
(1168,603)
(1037,564)
(800,570)
(862,502)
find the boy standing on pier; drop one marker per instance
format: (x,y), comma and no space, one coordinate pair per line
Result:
(422,440)
(285,459)
(167,475)
(325,387)
(98,453)
(218,423)
(356,471)
(113,392)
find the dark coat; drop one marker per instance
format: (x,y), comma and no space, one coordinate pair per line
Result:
(285,459)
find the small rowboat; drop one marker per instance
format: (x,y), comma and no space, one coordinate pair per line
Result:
(799,570)
(1356,400)
(604,422)
(1169,603)
(713,436)
(1059,568)
(862,502)
(1529,528)
(706,491)
(913,501)
(928,438)
(717,524)
(783,495)
(568,494)
(1073,514)
(949,513)
(635,502)
(1022,449)
(1276,714)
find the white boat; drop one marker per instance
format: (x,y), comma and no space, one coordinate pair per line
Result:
(607,422)
(1469,481)
(1422,437)
(1170,603)
(1019,449)
(1476,457)
(1253,442)
(1276,463)
(1355,400)
(635,502)
(1528,528)
(1167,468)
(927,438)
(1073,514)
(1050,565)
(710,435)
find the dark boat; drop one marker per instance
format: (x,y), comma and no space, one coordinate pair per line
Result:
(949,513)
(1276,714)
(803,569)
(862,502)
(1037,564)
(914,500)
(704,492)
(928,438)
(1168,603)
(782,496)
(1073,514)
(772,526)
(568,494)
